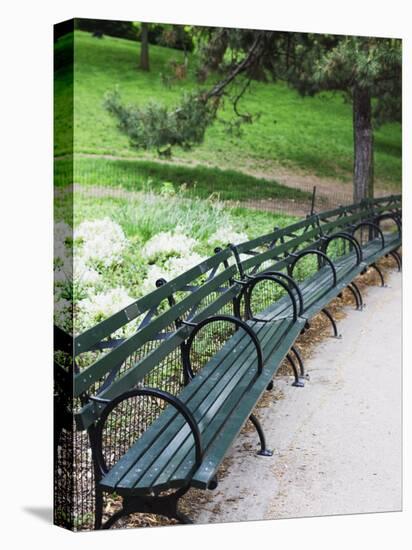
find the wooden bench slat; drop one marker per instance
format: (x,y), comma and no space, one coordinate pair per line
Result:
(224,440)
(176,469)
(312,287)
(93,373)
(94,335)
(170,414)
(214,389)
(219,382)
(132,376)
(217,414)
(193,392)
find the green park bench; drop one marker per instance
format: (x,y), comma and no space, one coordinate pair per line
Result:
(163,405)
(315,236)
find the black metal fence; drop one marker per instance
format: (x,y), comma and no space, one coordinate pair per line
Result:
(123,178)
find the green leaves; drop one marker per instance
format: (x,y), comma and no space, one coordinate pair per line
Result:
(156,126)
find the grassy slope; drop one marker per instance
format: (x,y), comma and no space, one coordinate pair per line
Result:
(198,181)
(314,134)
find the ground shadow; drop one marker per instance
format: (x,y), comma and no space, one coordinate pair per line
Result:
(45,513)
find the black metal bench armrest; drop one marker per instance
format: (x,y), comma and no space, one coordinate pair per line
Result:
(396,217)
(373,226)
(288,278)
(320,255)
(151,392)
(269,277)
(230,319)
(348,237)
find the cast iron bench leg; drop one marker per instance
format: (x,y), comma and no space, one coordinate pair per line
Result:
(298,382)
(300,362)
(397,259)
(166,506)
(264,451)
(379,272)
(357,290)
(332,320)
(98,515)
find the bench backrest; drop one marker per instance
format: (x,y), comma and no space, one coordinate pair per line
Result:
(276,250)
(122,363)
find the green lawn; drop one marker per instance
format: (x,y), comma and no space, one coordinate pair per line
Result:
(313,134)
(197,181)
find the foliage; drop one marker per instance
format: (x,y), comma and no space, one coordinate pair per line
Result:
(156,126)
(332,63)
(178,37)
(100,27)
(359,67)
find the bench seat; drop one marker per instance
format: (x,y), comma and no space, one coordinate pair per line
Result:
(373,250)
(317,290)
(222,395)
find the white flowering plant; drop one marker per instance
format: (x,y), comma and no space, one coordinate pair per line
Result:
(106,263)
(168,243)
(227,235)
(103,241)
(170,269)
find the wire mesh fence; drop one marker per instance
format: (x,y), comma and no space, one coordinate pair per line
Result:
(128,177)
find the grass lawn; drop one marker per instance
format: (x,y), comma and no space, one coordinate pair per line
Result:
(197,181)
(313,134)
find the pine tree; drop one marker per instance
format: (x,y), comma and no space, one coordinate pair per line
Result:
(367,70)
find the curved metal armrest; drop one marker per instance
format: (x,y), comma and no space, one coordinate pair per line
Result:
(230,319)
(348,237)
(151,392)
(392,216)
(292,281)
(269,277)
(374,226)
(320,255)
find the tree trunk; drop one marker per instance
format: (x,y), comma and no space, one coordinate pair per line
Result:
(144,47)
(363,145)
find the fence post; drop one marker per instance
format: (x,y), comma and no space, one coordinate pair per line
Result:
(312,208)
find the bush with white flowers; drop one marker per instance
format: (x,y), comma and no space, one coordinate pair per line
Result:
(98,272)
(172,268)
(168,243)
(76,270)
(104,304)
(227,235)
(103,241)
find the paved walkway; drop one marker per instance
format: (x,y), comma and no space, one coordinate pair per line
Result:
(337,441)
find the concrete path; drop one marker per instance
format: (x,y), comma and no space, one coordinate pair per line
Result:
(336,442)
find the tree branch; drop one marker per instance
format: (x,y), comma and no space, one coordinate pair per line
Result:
(251,57)
(246,117)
